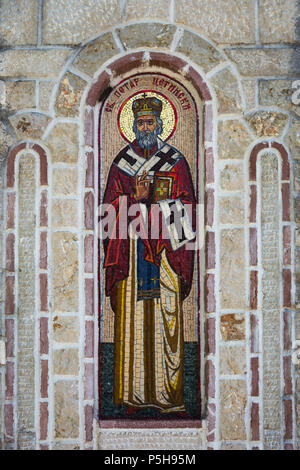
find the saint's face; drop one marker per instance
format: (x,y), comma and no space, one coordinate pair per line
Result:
(146,123)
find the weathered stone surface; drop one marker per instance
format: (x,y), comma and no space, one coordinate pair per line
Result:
(65,445)
(249,91)
(6,140)
(45,91)
(234,139)
(297,325)
(232,326)
(231,210)
(232,446)
(65,181)
(269,62)
(65,329)
(293,138)
(29,125)
(226,88)
(74,22)
(66,409)
(297,212)
(65,361)
(232,178)
(18,22)
(69,95)
(65,271)
(233,360)
(17,95)
(63,143)
(233,399)
(199,51)
(153,439)
(298,408)
(32,63)
(153,9)
(90,59)
(277,93)
(267,123)
(297,176)
(64,213)
(232,282)
(277,20)
(147,35)
(218,20)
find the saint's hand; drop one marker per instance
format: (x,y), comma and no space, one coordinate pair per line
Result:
(142,186)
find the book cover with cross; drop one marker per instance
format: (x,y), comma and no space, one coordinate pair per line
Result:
(164,185)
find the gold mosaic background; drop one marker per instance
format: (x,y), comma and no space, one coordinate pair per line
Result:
(184,139)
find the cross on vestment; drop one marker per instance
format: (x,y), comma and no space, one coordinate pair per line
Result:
(175,218)
(164,158)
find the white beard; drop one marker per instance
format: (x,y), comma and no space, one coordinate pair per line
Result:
(146,139)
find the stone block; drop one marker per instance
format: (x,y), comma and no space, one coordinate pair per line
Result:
(65,361)
(147,35)
(297,209)
(65,272)
(17,95)
(266,62)
(234,139)
(65,181)
(232,326)
(66,409)
(74,22)
(232,360)
(233,399)
(65,329)
(233,446)
(292,138)
(297,325)
(297,176)
(249,90)
(267,123)
(151,439)
(18,22)
(64,213)
(6,141)
(277,21)
(29,125)
(63,143)
(69,95)
(65,445)
(45,91)
(226,88)
(153,9)
(231,210)
(218,20)
(32,63)
(92,56)
(232,282)
(232,178)
(277,93)
(199,51)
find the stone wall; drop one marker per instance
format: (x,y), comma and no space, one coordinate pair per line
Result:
(57,58)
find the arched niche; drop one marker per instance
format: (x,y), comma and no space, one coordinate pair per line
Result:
(170,78)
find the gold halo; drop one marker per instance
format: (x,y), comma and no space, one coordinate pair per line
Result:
(126,117)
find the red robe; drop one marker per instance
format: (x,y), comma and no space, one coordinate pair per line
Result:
(116,250)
